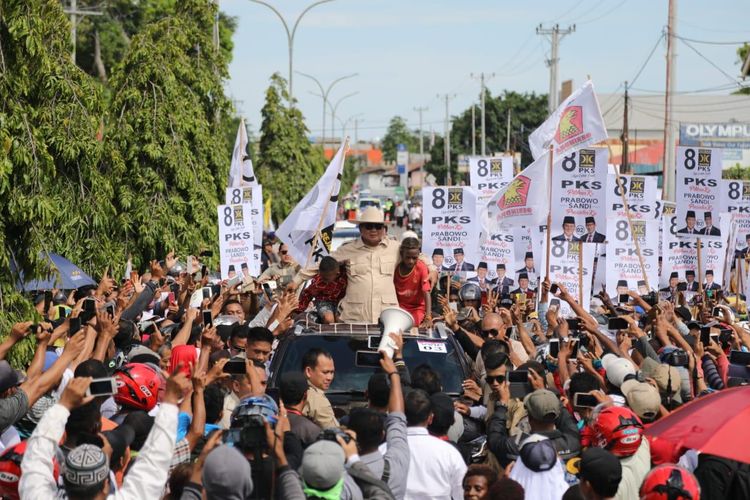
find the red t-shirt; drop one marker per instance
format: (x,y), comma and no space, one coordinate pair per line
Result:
(410,290)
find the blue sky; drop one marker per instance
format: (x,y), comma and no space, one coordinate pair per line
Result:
(408,52)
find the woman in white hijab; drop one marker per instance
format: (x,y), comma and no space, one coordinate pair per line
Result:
(539,470)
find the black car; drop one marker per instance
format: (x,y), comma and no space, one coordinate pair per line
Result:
(433,347)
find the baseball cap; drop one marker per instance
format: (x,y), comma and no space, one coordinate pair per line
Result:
(602,469)
(8,376)
(227,474)
(643,398)
(538,453)
(86,465)
(617,369)
(542,405)
(323,465)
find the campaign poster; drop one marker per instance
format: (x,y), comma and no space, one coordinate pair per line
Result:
(640,194)
(450,226)
(254,196)
(666,209)
(735,198)
(579,182)
(235,239)
(488,175)
(530,253)
(623,266)
(498,252)
(698,191)
(567,261)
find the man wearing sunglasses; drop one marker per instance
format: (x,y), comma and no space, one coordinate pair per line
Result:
(283,271)
(372,260)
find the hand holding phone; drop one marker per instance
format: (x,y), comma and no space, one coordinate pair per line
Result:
(102,387)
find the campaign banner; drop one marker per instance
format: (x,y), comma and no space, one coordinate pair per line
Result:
(640,194)
(450,225)
(567,261)
(735,201)
(499,249)
(254,196)
(235,239)
(530,252)
(667,209)
(579,182)
(623,265)
(698,191)
(488,175)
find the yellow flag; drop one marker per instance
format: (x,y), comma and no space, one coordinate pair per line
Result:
(267,213)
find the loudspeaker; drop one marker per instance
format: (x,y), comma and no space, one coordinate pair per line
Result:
(393,320)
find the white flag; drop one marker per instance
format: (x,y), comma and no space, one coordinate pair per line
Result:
(317,209)
(576,123)
(128,268)
(241,171)
(524,201)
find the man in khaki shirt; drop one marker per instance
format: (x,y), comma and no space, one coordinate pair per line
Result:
(319,370)
(372,260)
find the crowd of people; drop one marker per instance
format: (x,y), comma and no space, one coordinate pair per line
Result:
(156,387)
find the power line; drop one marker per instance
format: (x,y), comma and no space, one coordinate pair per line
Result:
(709,61)
(684,92)
(650,55)
(713,30)
(709,42)
(561,16)
(589,21)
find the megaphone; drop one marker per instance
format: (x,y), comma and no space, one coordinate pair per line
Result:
(393,319)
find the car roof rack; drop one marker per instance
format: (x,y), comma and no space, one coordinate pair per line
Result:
(307,325)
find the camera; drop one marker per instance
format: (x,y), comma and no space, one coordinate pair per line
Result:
(650,298)
(248,430)
(677,357)
(332,433)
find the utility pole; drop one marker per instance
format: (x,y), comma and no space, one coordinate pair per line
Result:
(74,13)
(324,94)
(624,164)
(668,171)
(357,121)
(555,37)
(447,137)
(473,130)
(482,79)
(420,110)
(507,132)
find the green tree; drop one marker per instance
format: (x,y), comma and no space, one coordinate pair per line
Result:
(170,164)
(54,198)
(742,54)
(103,41)
(528,111)
(398,133)
(288,165)
(352,167)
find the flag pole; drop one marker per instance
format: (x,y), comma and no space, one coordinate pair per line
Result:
(580,273)
(549,209)
(739,285)
(626,206)
(700,268)
(325,208)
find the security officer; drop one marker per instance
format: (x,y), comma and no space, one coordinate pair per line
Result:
(372,260)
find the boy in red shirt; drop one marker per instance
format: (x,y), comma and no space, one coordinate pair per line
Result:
(412,282)
(326,289)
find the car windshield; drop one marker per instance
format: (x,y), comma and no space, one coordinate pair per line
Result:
(346,233)
(369,203)
(350,377)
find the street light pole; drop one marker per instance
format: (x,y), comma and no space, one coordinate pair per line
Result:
(290,34)
(324,95)
(333,112)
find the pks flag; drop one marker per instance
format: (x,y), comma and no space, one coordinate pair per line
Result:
(576,123)
(241,170)
(524,201)
(317,210)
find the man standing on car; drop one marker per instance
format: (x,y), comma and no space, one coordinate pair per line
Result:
(318,368)
(372,260)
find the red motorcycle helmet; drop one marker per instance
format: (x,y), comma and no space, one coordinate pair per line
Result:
(670,482)
(137,386)
(10,470)
(618,430)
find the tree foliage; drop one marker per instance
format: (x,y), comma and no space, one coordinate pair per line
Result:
(94,171)
(288,164)
(742,54)
(398,133)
